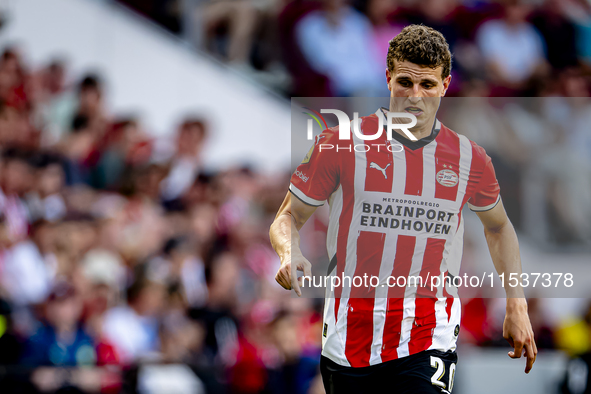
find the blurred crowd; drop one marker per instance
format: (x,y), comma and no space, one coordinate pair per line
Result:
(541,150)
(324,48)
(123,256)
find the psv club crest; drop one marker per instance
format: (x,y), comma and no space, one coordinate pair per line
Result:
(447,178)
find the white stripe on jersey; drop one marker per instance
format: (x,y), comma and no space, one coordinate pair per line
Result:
(351,259)
(335,204)
(458,241)
(420,246)
(381,302)
(332,347)
(399,180)
(408,314)
(465,165)
(335,350)
(429,171)
(441,334)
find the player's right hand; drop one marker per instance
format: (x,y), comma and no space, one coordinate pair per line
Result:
(517,330)
(287,275)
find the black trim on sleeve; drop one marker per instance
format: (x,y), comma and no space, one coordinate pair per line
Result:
(307,203)
(486,210)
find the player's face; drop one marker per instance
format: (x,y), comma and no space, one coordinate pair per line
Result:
(417,90)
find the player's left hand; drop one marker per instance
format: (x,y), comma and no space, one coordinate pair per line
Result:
(517,330)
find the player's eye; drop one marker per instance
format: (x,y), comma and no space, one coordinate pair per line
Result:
(427,85)
(405,84)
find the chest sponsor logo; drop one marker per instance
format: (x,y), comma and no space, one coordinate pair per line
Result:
(447,178)
(407,218)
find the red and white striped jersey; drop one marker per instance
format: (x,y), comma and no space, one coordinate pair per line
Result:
(395,210)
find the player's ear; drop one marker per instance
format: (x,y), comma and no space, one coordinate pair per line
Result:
(446,83)
(388,78)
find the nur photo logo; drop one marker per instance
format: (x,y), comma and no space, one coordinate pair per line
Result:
(392,123)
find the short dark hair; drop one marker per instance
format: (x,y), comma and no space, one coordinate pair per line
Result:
(195,122)
(90,82)
(421,45)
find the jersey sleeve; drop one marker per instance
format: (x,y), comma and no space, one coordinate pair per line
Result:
(487,192)
(317,177)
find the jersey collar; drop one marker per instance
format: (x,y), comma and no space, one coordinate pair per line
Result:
(412,145)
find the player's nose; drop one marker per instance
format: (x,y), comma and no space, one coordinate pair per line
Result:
(415,94)
(415,99)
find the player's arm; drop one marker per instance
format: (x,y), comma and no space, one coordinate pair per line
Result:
(504,250)
(285,239)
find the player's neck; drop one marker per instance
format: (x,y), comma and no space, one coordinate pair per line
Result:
(418,133)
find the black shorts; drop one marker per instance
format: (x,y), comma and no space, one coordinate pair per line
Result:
(427,372)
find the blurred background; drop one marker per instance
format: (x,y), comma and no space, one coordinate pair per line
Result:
(145,148)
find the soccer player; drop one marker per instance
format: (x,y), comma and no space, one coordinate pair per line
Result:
(397,212)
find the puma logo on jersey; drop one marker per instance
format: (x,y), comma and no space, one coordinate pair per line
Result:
(377,167)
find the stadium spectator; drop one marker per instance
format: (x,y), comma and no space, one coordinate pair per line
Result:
(133,329)
(12,79)
(513,50)
(181,269)
(15,181)
(558,32)
(30,268)
(185,161)
(336,42)
(383,16)
(84,202)
(306,81)
(45,200)
(438,15)
(295,370)
(124,145)
(239,17)
(61,340)
(579,11)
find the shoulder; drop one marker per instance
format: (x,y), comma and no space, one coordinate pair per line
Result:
(370,124)
(370,119)
(479,155)
(330,134)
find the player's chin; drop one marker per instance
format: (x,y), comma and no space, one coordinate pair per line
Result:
(422,121)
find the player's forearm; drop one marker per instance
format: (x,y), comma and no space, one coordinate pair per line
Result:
(504,250)
(284,235)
